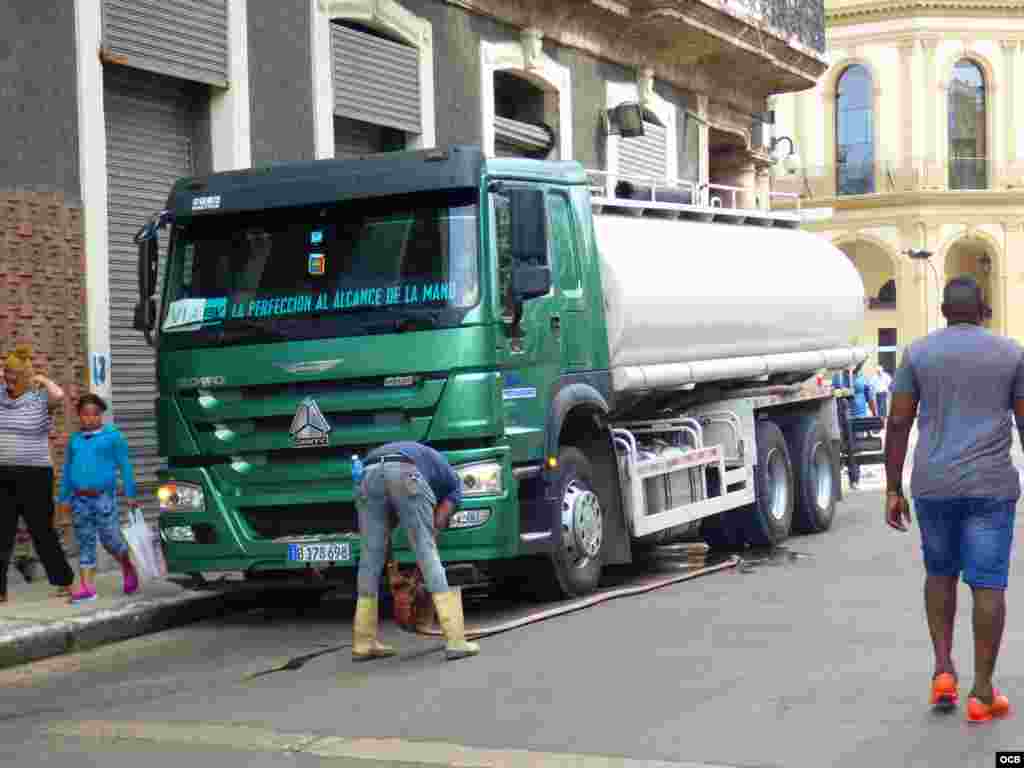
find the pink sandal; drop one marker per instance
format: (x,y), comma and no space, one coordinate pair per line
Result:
(84,594)
(131,576)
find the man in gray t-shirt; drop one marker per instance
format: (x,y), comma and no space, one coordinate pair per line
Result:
(961,383)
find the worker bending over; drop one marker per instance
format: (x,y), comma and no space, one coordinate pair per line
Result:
(419,485)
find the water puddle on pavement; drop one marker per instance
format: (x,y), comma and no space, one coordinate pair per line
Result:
(753,559)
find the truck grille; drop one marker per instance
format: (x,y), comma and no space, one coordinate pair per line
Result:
(302,519)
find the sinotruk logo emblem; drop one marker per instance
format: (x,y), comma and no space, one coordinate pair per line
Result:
(309,427)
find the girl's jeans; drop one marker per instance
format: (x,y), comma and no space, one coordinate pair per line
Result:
(94,518)
(402,488)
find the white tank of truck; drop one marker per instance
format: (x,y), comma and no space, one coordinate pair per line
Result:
(689,302)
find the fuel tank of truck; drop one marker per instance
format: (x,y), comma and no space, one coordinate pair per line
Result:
(690,302)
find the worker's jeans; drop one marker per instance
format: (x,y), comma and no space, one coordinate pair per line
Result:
(399,487)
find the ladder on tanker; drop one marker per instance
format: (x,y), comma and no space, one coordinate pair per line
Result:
(678,198)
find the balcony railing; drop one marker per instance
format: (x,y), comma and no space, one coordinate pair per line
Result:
(800,19)
(821,182)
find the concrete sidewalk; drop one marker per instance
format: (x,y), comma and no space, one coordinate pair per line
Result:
(35,625)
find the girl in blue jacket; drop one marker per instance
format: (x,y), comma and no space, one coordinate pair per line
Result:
(89,485)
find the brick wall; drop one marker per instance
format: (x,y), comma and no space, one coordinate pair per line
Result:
(42,298)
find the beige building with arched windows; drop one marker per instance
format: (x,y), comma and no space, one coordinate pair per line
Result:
(913,140)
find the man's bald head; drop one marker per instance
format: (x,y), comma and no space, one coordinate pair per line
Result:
(962,301)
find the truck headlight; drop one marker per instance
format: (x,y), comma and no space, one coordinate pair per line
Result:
(181,497)
(469,518)
(482,479)
(179,534)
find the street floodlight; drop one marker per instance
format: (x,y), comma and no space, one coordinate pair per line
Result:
(790,162)
(627,120)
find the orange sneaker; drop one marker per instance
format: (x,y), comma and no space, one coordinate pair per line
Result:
(944,693)
(980,712)
(1000,704)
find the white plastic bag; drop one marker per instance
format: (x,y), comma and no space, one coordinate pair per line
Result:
(139,538)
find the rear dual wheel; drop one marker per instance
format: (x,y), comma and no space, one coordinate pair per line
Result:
(815,476)
(768,521)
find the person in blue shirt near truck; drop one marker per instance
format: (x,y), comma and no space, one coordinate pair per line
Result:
(88,485)
(419,485)
(859,403)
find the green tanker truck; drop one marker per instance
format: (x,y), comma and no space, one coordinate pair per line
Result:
(608,363)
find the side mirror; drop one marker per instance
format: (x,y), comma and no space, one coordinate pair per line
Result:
(149,256)
(530,282)
(521,245)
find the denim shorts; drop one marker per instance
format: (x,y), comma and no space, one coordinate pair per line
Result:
(969,535)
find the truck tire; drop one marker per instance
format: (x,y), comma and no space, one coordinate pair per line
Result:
(767,522)
(577,557)
(814,476)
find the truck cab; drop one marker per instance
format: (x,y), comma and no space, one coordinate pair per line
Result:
(313,311)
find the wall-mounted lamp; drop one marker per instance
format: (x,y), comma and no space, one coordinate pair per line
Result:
(791,162)
(920,255)
(627,120)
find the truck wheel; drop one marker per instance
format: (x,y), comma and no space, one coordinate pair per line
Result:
(814,477)
(768,520)
(578,554)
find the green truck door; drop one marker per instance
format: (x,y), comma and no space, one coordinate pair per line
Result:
(530,356)
(564,247)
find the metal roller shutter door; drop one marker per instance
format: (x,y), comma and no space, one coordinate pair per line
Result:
(644,156)
(514,138)
(149,128)
(182,38)
(376,80)
(355,139)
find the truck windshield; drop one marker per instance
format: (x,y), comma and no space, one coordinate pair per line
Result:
(353,268)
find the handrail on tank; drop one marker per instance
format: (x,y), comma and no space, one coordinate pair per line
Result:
(702,201)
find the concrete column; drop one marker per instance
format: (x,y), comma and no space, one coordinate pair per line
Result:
(92,158)
(1010,99)
(705,139)
(230,111)
(764,188)
(1012,275)
(932,101)
(906,160)
(323,90)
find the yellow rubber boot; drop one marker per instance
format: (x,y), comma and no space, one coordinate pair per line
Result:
(449,615)
(364,632)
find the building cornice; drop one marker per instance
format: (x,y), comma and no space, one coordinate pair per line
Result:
(885,10)
(893,208)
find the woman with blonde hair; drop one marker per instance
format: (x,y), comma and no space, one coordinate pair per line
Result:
(27,401)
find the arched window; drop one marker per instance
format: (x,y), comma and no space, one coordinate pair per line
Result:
(968,160)
(855,132)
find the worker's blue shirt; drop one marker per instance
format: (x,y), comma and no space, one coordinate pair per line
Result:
(862,393)
(434,467)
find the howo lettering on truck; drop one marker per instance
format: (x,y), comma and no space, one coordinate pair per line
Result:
(608,364)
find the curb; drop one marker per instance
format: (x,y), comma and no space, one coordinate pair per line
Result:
(32,641)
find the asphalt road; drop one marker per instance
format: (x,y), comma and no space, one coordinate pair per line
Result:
(820,660)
